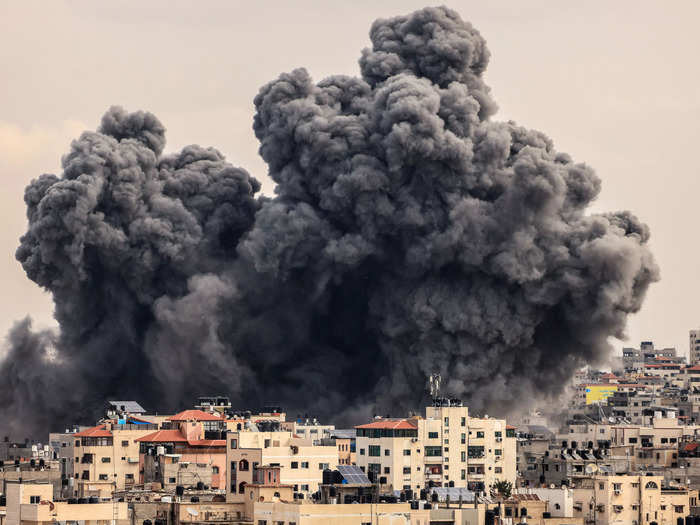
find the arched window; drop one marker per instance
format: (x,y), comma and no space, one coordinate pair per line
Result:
(523,511)
(277,494)
(243,464)
(651,485)
(241,487)
(557,506)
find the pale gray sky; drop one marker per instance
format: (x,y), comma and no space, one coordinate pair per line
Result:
(615,84)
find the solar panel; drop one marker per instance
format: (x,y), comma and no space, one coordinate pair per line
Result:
(353,475)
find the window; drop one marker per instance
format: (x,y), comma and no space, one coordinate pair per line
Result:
(447,421)
(77,442)
(234,443)
(463,422)
(433,451)
(304,464)
(129,476)
(479,434)
(498,470)
(262,522)
(407,470)
(106,459)
(498,434)
(407,452)
(463,474)
(432,435)
(305,488)
(125,443)
(464,439)
(498,452)
(463,456)
(322,466)
(678,509)
(215,470)
(241,487)
(386,452)
(295,464)
(387,470)
(172,480)
(243,465)
(375,450)
(34,499)
(601,486)
(447,449)
(103,477)
(362,452)
(632,440)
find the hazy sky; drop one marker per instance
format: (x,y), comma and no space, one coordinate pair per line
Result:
(615,84)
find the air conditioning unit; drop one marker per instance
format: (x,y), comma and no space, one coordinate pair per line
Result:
(498,440)
(618,492)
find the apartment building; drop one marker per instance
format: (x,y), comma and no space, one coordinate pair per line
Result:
(344,440)
(308,428)
(446,448)
(107,457)
(632,499)
(301,462)
(694,347)
(34,504)
(190,450)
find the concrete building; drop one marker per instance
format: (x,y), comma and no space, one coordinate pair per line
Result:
(446,448)
(631,499)
(190,452)
(301,462)
(33,504)
(107,457)
(694,347)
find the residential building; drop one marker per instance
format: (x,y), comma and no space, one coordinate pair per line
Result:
(694,347)
(631,499)
(301,462)
(34,504)
(107,456)
(446,448)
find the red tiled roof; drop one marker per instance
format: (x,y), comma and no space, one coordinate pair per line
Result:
(690,447)
(98,431)
(164,436)
(390,424)
(609,375)
(195,415)
(510,427)
(695,368)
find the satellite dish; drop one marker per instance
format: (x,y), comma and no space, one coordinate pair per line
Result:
(552,486)
(591,468)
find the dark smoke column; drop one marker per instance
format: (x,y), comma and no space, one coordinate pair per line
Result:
(426,237)
(409,234)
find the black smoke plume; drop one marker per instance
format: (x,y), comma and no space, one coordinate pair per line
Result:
(409,234)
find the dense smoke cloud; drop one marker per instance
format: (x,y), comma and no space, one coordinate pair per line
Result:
(409,234)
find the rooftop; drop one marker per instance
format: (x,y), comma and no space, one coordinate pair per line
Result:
(195,415)
(390,424)
(98,431)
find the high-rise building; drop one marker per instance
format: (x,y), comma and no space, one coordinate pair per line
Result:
(446,448)
(694,347)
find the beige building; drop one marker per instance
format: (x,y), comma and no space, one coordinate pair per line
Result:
(301,463)
(694,347)
(271,513)
(446,448)
(633,500)
(107,458)
(32,504)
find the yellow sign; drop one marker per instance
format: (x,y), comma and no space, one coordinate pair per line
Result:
(599,393)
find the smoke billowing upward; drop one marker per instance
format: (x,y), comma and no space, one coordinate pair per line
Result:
(410,233)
